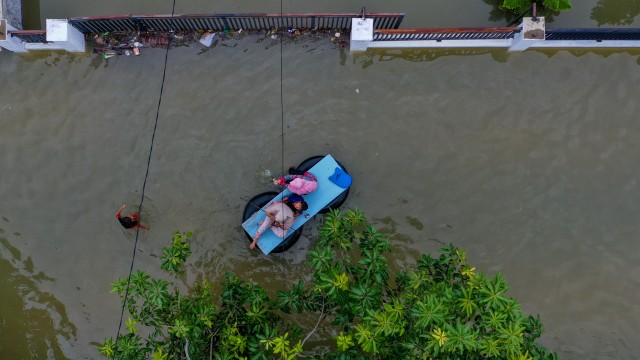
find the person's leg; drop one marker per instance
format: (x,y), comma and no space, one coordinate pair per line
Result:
(142,226)
(261,229)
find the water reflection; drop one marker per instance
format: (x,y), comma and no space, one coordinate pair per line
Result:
(615,12)
(582,52)
(32,322)
(372,56)
(419,55)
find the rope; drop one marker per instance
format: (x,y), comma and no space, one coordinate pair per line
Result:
(282,105)
(281,95)
(144,184)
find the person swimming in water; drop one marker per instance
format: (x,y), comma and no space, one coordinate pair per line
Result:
(129,221)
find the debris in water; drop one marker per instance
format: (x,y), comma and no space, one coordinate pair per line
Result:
(207,39)
(109,44)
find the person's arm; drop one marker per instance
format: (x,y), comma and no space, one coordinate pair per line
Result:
(282,181)
(272,210)
(120,210)
(271,216)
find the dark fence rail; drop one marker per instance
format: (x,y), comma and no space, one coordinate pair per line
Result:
(439,34)
(30,36)
(230,22)
(592,34)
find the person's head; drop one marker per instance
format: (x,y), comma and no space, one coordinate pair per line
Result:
(297,202)
(301,205)
(128,222)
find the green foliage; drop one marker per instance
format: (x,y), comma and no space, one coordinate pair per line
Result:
(519,6)
(245,324)
(174,256)
(440,309)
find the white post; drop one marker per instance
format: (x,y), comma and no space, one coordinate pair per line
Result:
(61,36)
(7,41)
(361,34)
(533,32)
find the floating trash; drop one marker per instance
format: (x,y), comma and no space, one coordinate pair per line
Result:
(109,44)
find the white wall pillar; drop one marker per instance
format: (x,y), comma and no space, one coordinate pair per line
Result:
(7,41)
(533,32)
(361,34)
(61,36)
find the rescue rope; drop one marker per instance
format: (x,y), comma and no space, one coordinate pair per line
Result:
(282,102)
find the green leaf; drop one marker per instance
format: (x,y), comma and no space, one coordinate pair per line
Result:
(344,341)
(490,348)
(179,329)
(512,337)
(430,312)
(157,293)
(159,354)
(108,348)
(139,281)
(467,303)
(557,5)
(131,325)
(341,282)
(461,337)
(119,286)
(516,5)
(366,339)
(494,320)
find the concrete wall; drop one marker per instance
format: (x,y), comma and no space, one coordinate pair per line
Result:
(12,11)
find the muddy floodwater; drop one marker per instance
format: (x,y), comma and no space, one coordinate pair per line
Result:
(527,161)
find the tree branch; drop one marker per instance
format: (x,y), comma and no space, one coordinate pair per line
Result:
(186,349)
(318,323)
(211,344)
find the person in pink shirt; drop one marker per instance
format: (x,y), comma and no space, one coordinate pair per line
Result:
(280,216)
(299,184)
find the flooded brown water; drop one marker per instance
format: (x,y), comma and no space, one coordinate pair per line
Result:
(527,161)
